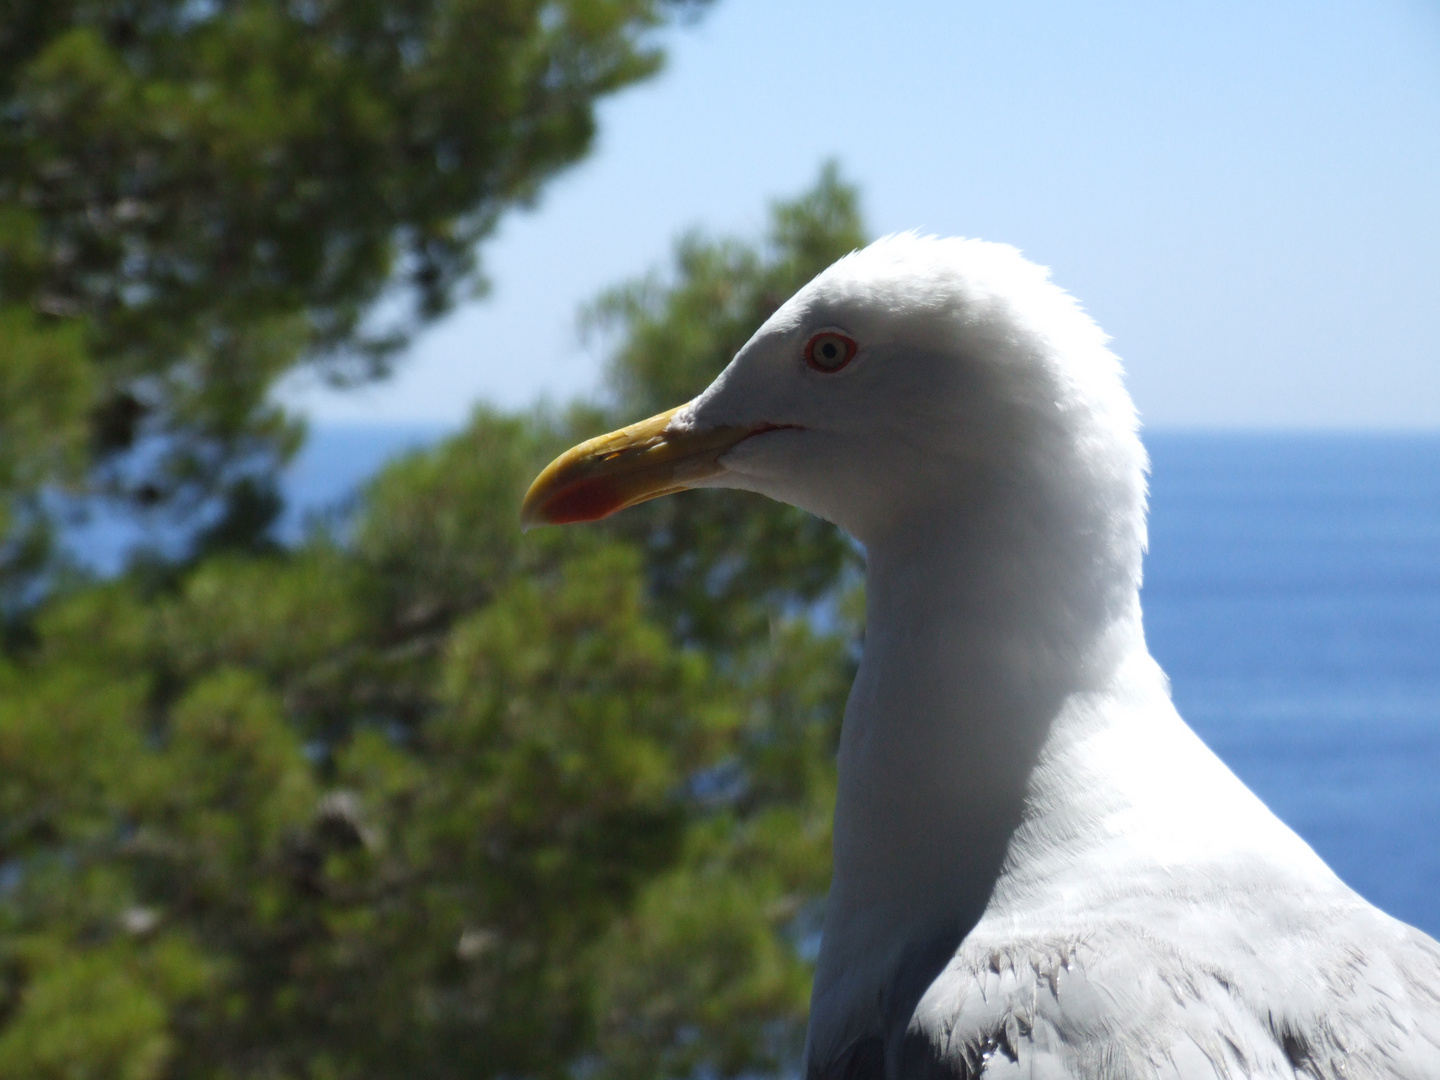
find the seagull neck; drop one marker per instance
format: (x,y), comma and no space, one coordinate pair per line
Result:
(974,641)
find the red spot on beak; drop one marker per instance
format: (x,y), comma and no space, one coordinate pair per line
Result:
(587,500)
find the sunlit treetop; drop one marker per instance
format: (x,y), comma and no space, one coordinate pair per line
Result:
(196,197)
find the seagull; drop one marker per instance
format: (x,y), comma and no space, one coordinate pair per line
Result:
(1039,869)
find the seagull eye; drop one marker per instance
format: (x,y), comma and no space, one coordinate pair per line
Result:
(829,351)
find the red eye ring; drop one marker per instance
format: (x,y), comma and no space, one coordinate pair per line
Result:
(830,350)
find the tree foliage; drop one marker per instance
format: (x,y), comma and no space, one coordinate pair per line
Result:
(430,798)
(196,196)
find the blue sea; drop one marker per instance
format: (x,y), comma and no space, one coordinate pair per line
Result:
(1292,593)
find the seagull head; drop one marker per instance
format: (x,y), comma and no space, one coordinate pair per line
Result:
(914,382)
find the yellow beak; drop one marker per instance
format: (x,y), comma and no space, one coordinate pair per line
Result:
(626,467)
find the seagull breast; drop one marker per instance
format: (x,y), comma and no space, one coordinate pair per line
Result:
(1039,869)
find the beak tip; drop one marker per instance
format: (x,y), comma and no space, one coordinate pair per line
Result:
(532,514)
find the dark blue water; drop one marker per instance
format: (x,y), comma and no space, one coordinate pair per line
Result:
(1293,595)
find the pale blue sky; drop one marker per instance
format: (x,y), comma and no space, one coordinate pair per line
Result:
(1245,194)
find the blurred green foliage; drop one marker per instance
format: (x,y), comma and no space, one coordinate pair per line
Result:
(199,196)
(427,797)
